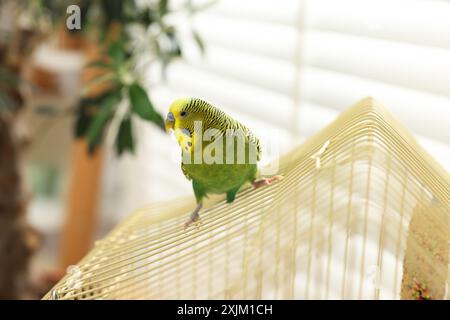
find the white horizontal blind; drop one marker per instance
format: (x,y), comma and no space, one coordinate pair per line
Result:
(287,68)
(396,51)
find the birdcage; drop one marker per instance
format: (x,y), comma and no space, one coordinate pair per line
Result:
(363,213)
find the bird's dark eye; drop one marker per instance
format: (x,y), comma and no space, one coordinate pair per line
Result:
(183,113)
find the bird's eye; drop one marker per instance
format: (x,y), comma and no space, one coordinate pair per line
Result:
(183,113)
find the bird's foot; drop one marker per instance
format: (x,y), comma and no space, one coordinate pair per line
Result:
(194,218)
(266,181)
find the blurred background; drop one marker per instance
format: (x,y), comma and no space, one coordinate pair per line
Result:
(81,110)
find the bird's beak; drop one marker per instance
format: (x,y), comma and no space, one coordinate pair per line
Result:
(170,121)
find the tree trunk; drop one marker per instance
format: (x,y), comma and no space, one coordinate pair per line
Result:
(18,240)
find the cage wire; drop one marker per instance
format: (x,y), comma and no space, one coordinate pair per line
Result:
(363,213)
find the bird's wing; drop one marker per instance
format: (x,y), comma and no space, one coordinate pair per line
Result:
(185,172)
(254,140)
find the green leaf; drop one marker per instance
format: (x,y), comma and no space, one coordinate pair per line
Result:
(117,52)
(199,41)
(96,100)
(99,64)
(163,7)
(141,105)
(125,140)
(113,10)
(95,130)
(84,114)
(82,122)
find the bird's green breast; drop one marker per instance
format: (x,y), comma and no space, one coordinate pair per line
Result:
(220,178)
(221,171)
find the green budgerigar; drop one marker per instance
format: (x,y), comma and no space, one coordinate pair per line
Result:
(219,154)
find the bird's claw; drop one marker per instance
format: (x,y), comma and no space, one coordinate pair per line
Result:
(267,181)
(195,218)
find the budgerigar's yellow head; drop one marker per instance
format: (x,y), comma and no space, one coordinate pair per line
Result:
(184,112)
(177,115)
(182,115)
